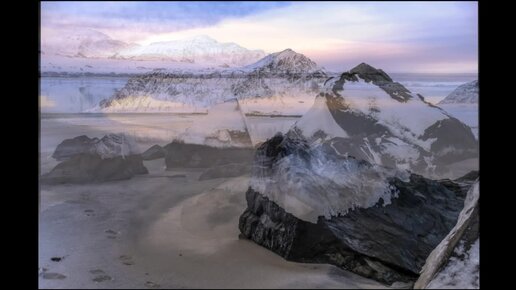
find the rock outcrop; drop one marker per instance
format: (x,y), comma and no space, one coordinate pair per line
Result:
(84,159)
(155,152)
(385,236)
(85,168)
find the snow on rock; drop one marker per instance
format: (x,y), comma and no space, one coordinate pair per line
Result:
(464,94)
(462,270)
(460,273)
(308,203)
(310,182)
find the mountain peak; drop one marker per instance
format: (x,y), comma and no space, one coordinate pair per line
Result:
(286,51)
(367,71)
(285,61)
(375,76)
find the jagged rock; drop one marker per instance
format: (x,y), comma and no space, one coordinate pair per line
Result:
(180,154)
(227,170)
(387,241)
(87,167)
(155,152)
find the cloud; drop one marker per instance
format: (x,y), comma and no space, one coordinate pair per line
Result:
(397,36)
(132,21)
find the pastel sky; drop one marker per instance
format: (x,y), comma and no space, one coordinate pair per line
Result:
(395,36)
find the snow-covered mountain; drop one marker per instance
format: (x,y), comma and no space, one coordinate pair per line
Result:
(464,94)
(281,83)
(462,103)
(83,43)
(364,114)
(199,49)
(286,61)
(77,44)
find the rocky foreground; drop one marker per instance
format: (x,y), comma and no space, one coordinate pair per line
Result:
(388,241)
(85,160)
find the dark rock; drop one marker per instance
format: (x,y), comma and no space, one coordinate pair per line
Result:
(179,154)
(388,243)
(155,152)
(456,247)
(111,145)
(84,168)
(377,77)
(70,147)
(227,170)
(469,177)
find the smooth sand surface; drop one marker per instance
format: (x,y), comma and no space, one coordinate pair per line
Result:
(161,230)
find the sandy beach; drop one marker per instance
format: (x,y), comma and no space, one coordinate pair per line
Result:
(166,229)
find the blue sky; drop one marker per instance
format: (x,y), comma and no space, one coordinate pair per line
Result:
(396,36)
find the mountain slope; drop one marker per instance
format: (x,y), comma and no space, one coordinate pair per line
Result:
(83,43)
(383,123)
(76,44)
(200,49)
(286,61)
(464,94)
(282,83)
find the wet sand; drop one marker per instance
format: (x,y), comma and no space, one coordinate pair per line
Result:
(161,230)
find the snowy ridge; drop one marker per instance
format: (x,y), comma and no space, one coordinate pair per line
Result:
(383,123)
(283,83)
(76,44)
(464,94)
(199,49)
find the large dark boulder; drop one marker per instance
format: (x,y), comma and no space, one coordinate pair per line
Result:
(388,242)
(85,168)
(71,147)
(179,154)
(85,159)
